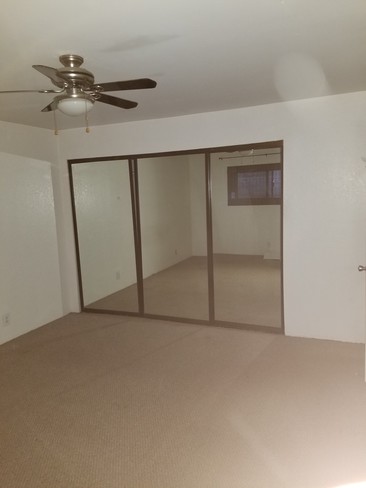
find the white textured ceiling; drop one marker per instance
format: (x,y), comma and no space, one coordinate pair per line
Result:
(205,55)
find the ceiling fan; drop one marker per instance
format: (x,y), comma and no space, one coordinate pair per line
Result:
(77,91)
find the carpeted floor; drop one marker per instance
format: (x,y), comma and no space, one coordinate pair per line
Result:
(102,401)
(247,291)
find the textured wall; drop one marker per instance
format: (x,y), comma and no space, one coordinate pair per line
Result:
(30,289)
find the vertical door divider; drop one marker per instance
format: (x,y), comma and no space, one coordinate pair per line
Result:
(76,236)
(132,165)
(210,264)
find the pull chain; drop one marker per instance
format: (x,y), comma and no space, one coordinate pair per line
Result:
(87,130)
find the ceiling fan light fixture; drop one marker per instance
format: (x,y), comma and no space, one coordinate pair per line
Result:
(75,106)
(77,91)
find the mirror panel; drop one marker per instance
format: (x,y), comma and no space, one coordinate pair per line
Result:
(103,209)
(173,235)
(246,227)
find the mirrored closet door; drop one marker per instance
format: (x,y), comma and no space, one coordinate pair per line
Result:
(105,235)
(246,229)
(173,235)
(191,236)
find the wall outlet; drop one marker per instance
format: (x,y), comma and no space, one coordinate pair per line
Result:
(118,275)
(5,319)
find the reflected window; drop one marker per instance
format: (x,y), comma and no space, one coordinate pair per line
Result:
(255,184)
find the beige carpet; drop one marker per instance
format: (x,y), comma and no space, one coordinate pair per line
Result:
(247,291)
(99,401)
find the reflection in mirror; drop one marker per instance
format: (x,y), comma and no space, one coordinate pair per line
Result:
(174,245)
(246,215)
(103,211)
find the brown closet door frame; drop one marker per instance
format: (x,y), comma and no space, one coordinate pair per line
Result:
(135,200)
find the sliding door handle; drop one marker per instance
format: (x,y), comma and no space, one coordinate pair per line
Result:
(361,268)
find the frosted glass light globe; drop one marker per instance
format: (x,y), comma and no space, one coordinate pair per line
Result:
(75,106)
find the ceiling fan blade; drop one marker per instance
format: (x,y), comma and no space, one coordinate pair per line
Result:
(117,102)
(31,91)
(51,106)
(139,84)
(51,73)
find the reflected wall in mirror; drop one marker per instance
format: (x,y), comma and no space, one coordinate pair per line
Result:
(246,226)
(174,247)
(103,211)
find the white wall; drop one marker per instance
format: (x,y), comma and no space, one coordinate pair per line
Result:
(30,289)
(324,196)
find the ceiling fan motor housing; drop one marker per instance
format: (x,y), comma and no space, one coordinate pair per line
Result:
(73,73)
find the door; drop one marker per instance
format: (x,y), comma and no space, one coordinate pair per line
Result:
(105,238)
(246,229)
(173,236)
